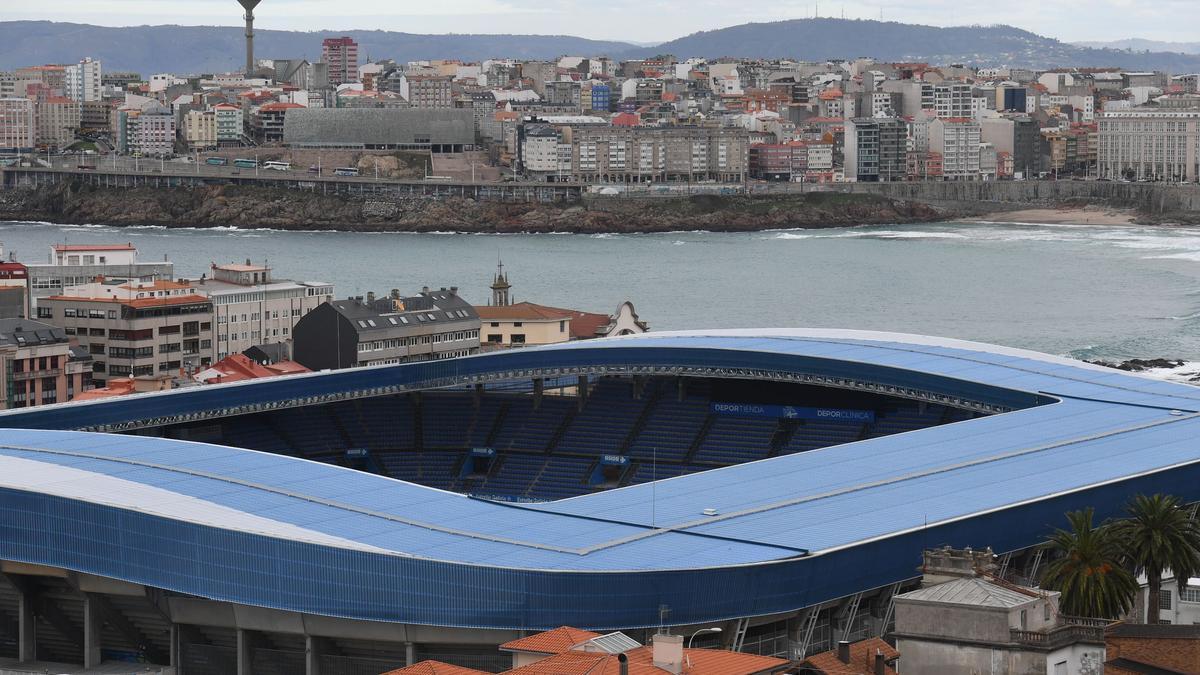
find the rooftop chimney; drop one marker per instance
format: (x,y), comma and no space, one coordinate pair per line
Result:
(879,663)
(624,663)
(454,290)
(668,653)
(395,293)
(844,651)
(370,297)
(249,6)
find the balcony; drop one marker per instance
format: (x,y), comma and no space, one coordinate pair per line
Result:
(36,374)
(1070,630)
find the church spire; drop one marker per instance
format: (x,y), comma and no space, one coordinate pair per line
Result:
(500,286)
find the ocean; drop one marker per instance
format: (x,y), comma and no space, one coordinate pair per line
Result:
(1086,291)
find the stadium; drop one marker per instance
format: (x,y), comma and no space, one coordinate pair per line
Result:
(781,484)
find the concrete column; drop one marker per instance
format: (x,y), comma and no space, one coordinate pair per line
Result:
(582,386)
(312,655)
(245,652)
(27,627)
(410,653)
(176,660)
(92,626)
(539,385)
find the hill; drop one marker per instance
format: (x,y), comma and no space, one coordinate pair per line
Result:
(204,49)
(1141,45)
(820,39)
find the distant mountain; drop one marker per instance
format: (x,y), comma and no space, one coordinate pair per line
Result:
(820,39)
(206,49)
(1141,45)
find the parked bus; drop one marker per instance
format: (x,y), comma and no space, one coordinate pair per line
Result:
(246,163)
(216,161)
(345,171)
(277,166)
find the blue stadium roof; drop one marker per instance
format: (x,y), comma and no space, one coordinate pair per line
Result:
(277,531)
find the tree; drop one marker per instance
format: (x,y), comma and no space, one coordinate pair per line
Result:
(1157,537)
(1087,570)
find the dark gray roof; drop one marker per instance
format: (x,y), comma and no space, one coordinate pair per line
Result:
(273,352)
(378,126)
(427,310)
(1139,667)
(23,332)
(1167,631)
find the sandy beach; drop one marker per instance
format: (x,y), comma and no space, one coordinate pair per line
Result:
(1070,216)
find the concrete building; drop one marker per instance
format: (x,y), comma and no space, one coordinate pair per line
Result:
(594,153)
(39,366)
(340,56)
(135,328)
(1150,144)
(957,141)
(147,130)
(875,149)
(230,123)
(18,125)
(58,119)
(980,623)
(14,290)
(252,308)
(451,130)
(427,91)
(270,119)
(952,100)
(83,81)
(395,329)
(200,129)
(76,264)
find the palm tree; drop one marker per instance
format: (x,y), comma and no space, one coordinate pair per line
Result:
(1159,536)
(1087,570)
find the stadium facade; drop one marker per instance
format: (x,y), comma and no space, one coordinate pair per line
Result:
(811,539)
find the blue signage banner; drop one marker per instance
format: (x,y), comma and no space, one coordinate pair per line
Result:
(794,412)
(614,460)
(483,452)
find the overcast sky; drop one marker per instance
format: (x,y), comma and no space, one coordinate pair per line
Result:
(637,20)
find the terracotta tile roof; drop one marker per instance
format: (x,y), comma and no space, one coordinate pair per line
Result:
(554,641)
(641,662)
(434,668)
(526,311)
(862,659)
(237,367)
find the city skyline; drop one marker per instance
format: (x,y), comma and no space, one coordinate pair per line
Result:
(658,21)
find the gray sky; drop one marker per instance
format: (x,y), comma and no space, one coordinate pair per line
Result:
(637,20)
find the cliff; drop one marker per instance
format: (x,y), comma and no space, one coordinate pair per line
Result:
(254,207)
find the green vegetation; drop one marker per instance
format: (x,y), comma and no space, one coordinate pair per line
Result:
(1095,566)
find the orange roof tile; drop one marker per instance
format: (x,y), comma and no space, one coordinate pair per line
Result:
(862,659)
(524,311)
(641,662)
(554,641)
(434,668)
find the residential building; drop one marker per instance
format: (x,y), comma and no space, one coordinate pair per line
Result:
(135,328)
(523,324)
(200,129)
(83,81)
(18,125)
(147,130)
(1138,649)
(872,656)
(395,329)
(76,264)
(238,368)
(1147,144)
(14,290)
(57,121)
(977,622)
(427,91)
(252,308)
(952,100)
(875,149)
(270,119)
(39,366)
(957,141)
(96,115)
(340,56)
(230,123)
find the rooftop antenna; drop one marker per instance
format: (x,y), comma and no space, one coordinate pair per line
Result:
(249,6)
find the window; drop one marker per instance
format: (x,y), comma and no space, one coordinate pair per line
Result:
(1189,594)
(562,326)
(518,338)
(1046,612)
(1164,599)
(517,324)
(46,313)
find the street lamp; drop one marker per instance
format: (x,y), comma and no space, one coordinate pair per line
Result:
(713,629)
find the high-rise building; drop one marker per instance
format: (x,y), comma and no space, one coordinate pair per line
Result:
(341,56)
(1160,143)
(18,127)
(84,81)
(876,149)
(957,141)
(58,119)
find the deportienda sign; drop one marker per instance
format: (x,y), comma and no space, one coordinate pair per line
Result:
(794,412)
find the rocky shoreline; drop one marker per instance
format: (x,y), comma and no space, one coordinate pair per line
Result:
(265,208)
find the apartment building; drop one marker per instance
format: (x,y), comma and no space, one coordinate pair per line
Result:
(340,55)
(395,329)
(252,308)
(18,125)
(83,81)
(200,129)
(14,290)
(39,365)
(600,153)
(427,91)
(1150,144)
(135,328)
(230,123)
(957,141)
(76,264)
(58,119)
(875,149)
(148,130)
(952,100)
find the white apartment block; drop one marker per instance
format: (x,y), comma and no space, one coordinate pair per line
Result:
(952,100)
(83,81)
(958,142)
(252,308)
(1150,144)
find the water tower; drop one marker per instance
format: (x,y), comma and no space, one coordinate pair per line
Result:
(249,6)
